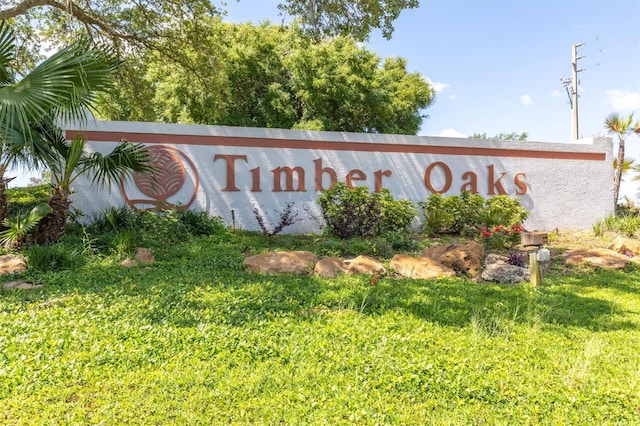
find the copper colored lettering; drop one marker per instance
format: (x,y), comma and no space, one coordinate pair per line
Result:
(231,169)
(447,175)
(378,175)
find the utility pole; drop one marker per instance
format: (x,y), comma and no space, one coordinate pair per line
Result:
(574,90)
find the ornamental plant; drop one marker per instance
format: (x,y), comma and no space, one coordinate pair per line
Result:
(358,213)
(467,213)
(501,237)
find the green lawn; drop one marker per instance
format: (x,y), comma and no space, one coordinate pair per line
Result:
(193,339)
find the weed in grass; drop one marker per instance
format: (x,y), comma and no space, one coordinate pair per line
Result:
(580,370)
(493,321)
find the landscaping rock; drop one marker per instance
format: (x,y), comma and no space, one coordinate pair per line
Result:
(466,258)
(143,256)
(420,267)
(601,258)
(20,285)
(497,269)
(290,262)
(365,265)
(330,267)
(505,273)
(11,264)
(625,246)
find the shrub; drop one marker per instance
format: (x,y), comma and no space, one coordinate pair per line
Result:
(200,223)
(504,210)
(517,259)
(286,217)
(53,258)
(113,219)
(451,214)
(466,213)
(23,200)
(500,237)
(356,212)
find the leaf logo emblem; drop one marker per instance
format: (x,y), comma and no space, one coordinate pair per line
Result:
(168,178)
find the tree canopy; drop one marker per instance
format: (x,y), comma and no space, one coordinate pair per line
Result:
(270,76)
(513,136)
(140,25)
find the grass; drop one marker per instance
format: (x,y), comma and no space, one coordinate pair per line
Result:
(194,339)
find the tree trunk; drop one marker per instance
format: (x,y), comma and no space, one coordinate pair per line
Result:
(618,175)
(3,197)
(51,227)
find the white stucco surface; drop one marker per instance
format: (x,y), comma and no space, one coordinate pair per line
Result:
(564,185)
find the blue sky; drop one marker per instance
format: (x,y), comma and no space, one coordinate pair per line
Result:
(497,64)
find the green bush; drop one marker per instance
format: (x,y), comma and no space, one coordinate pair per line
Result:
(504,210)
(23,200)
(121,229)
(356,212)
(113,219)
(452,214)
(467,213)
(53,258)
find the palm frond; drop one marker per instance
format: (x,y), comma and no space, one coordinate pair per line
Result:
(7,53)
(19,227)
(125,159)
(618,125)
(64,85)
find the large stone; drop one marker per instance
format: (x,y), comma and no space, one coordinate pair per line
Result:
(11,264)
(143,256)
(466,258)
(598,257)
(365,265)
(420,267)
(20,285)
(625,246)
(288,262)
(330,267)
(505,274)
(497,269)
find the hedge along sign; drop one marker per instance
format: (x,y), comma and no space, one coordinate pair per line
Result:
(232,171)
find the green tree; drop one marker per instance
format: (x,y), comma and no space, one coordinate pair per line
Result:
(61,87)
(513,136)
(130,25)
(270,76)
(70,161)
(622,127)
(177,34)
(357,18)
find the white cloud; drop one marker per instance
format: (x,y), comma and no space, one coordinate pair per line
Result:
(437,87)
(556,94)
(525,100)
(622,100)
(453,97)
(451,133)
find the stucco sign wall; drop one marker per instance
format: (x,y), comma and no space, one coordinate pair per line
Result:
(231,171)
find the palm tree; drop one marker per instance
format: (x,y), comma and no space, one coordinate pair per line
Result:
(622,128)
(61,88)
(70,161)
(627,165)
